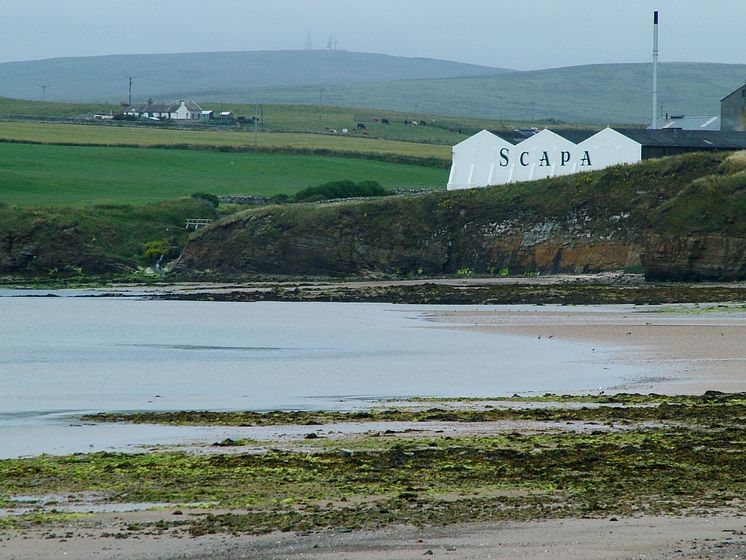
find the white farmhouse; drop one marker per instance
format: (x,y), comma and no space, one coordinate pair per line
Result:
(178,110)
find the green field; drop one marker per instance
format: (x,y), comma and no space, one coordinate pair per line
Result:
(55,133)
(39,175)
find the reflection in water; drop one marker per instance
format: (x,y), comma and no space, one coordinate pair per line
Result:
(72,355)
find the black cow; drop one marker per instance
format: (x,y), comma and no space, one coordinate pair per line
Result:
(361,126)
(385,121)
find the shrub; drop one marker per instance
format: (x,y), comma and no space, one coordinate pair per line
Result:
(341,189)
(154,249)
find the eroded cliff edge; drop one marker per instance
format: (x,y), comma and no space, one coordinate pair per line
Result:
(678,218)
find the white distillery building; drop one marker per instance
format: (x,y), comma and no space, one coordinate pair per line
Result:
(487,159)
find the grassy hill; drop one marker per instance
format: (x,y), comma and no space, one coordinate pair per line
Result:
(210,75)
(677,217)
(600,94)
(43,175)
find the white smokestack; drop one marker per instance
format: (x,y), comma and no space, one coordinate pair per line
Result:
(655,69)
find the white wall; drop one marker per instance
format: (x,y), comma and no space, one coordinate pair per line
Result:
(476,161)
(610,147)
(543,155)
(485,159)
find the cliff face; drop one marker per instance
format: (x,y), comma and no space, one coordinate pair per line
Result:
(679,218)
(703,257)
(43,242)
(584,223)
(46,247)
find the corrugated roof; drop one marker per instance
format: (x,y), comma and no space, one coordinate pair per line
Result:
(677,138)
(693,122)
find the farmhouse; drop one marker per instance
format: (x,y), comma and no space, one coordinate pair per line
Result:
(488,159)
(178,110)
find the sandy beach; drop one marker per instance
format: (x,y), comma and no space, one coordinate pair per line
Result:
(688,349)
(714,536)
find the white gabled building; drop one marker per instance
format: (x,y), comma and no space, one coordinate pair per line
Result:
(486,159)
(545,154)
(609,147)
(178,110)
(476,161)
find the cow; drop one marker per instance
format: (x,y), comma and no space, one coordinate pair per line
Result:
(385,121)
(361,126)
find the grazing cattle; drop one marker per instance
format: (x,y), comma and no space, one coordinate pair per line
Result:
(423,123)
(376,119)
(414,123)
(385,121)
(361,126)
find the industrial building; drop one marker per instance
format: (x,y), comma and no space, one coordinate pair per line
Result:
(733,110)
(491,159)
(529,154)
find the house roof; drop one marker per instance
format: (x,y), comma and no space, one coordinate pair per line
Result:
(677,138)
(164,107)
(694,122)
(571,134)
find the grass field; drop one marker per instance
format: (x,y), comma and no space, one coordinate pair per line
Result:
(156,136)
(40,175)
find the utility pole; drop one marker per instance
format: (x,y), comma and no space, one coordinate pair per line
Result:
(256,126)
(533,104)
(130,90)
(321,100)
(500,107)
(655,70)
(44,92)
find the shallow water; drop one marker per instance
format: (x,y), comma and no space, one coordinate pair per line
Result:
(63,356)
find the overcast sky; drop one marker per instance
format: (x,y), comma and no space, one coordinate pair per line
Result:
(520,34)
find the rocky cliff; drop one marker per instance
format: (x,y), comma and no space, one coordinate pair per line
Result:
(625,216)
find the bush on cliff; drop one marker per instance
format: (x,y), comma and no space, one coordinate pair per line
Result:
(341,189)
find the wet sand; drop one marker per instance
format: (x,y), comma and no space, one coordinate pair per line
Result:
(684,349)
(714,536)
(685,352)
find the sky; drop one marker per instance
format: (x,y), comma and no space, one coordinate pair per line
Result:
(522,34)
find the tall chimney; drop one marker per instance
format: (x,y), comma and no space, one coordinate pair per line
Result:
(655,69)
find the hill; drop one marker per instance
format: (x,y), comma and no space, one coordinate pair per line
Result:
(600,94)
(677,217)
(213,75)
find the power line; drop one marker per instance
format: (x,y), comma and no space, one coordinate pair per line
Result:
(44,92)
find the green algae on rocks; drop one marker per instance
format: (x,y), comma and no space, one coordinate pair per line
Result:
(675,455)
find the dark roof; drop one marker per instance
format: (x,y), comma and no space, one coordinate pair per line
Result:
(573,135)
(164,107)
(677,138)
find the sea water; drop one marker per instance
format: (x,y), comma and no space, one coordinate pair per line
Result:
(61,357)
